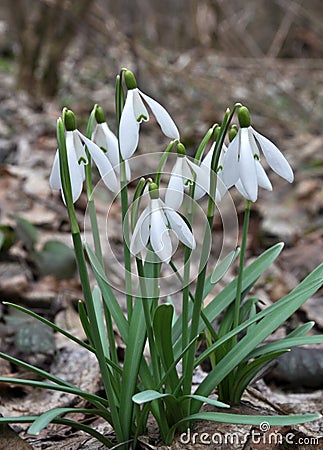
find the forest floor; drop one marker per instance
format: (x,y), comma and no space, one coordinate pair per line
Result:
(285,98)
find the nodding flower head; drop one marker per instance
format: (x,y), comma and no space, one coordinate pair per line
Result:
(153,226)
(135,112)
(242,166)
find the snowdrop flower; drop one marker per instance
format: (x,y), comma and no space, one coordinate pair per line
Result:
(184,172)
(76,157)
(202,184)
(241,165)
(134,112)
(108,142)
(154,224)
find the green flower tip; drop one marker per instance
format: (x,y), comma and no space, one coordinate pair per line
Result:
(153,191)
(69,120)
(216,131)
(244,117)
(181,149)
(233,132)
(130,80)
(99,114)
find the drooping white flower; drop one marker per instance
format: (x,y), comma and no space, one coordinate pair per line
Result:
(76,157)
(202,183)
(154,224)
(135,112)
(184,173)
(108,142)
(241,165)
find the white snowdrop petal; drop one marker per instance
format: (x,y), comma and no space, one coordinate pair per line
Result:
(241,189)
(165,121)
(77,145)
(180,228)
(98,136)
(55,177)
(263,180)
(102,163)
(231,163)
(111,145)
(247,169)
(159,234)
(139,109)
(175,190)
(75,175)
(274,157)
(129,128)
(140,234)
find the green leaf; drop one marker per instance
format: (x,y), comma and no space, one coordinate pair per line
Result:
(67,422)
(162,325)
(286,343)
(276,315)
(92,398)
(247,373)
(56,259)
(132,361)
(250,274)
(148,396)
(44,419)
(223,266)
(245,420)
(99,319)
(302,329)
(108,296)
(207,400)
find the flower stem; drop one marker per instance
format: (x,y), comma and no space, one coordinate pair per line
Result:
(241,265)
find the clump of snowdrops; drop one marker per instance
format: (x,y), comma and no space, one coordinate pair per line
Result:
(158,235)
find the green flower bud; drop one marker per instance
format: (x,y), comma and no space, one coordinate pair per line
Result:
(130,80)
(99,114)
(244,117)
(69,120)
(181,149)
(233,132)
(153,191)
(216,132)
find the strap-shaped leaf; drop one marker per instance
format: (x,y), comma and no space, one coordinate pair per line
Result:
(250,275)
(108,295)
(162,325)
(279,312)
(244,420)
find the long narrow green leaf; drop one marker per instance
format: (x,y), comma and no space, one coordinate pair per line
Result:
(34,369)
(302,329)
(247,373)
(227,295)
(100,322)
(223,266)
(93,398)
(245,420)
(286,343)
(108,295)
(285,307)
(148,396)
(47,417)
(62,421)
(162,325)
(132,361)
